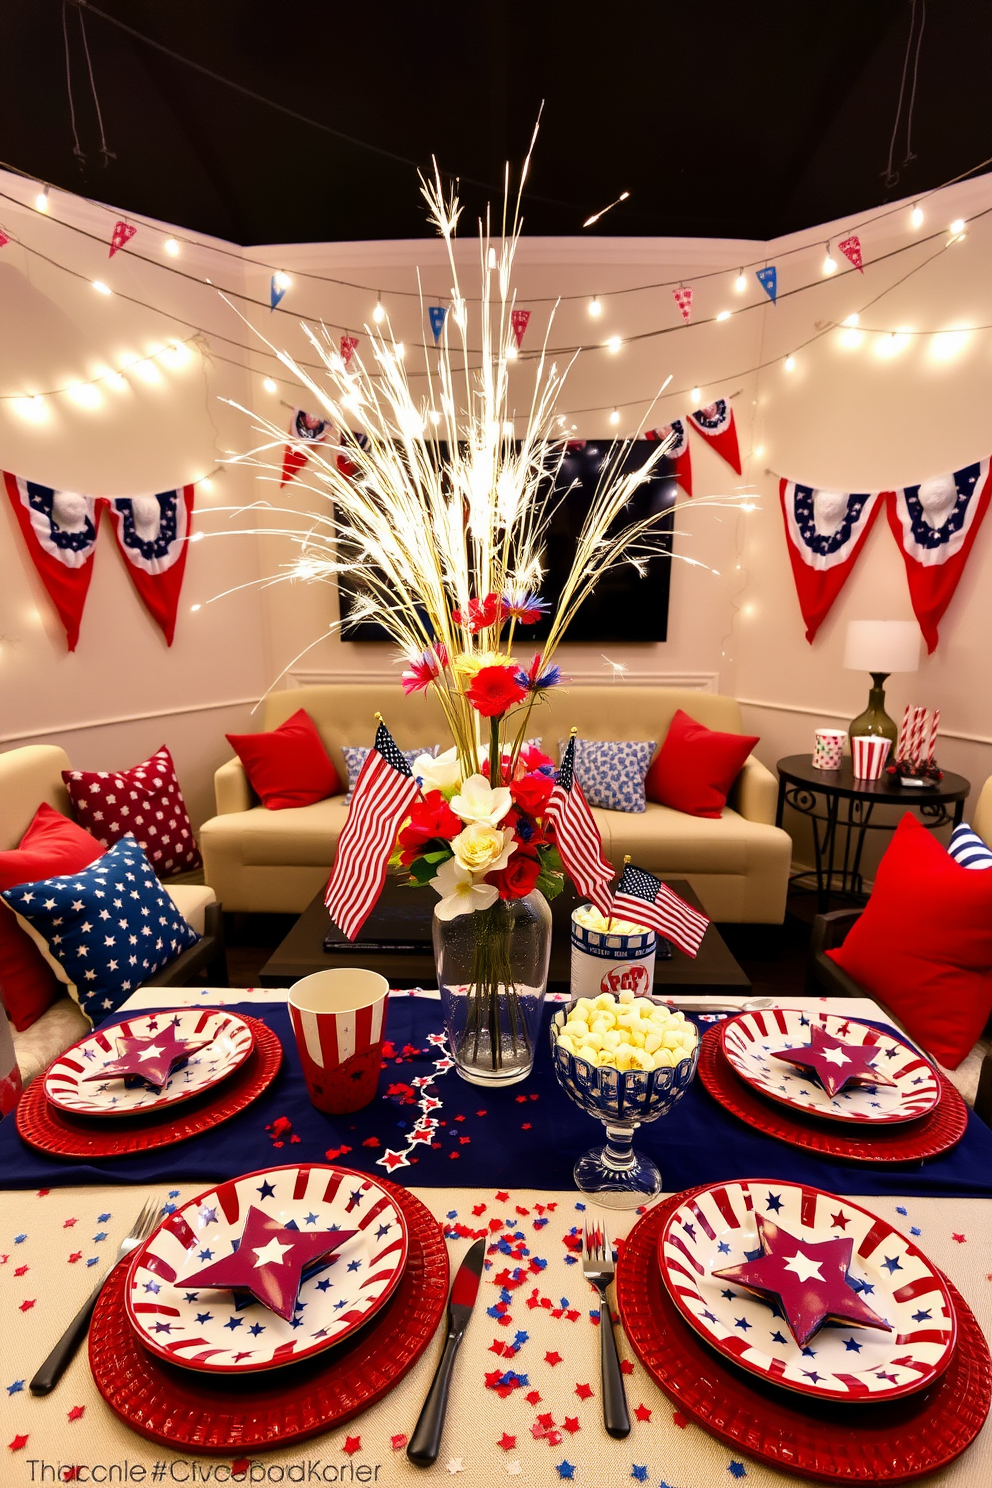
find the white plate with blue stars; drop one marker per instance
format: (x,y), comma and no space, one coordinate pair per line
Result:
(808,1290)
(326,1248)
(148,1062)
(824,1064)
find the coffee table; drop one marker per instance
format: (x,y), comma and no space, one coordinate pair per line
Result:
(407,912)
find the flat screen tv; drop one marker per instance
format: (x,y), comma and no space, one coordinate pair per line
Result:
(625,606)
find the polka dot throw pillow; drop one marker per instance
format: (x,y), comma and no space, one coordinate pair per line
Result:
(145,801)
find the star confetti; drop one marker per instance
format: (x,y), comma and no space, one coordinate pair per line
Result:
(566,1469)
(552,1358)
(269,1262)
(736,1469)
(15,1388)
(507,1442)
(152,1058)
(571,1425)
(399,1441)
(961,1239)
(27,1304)
(626,1366)
(680,1419)
(17,1443)
(513,1468)
(642,1413)
(639,1472)
(455,1465)
(808,1277)
(240,1465)
(76,1413)
(584,1392)
(836,1063)
(352,1444)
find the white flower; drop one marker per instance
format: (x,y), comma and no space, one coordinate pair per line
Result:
(460,893)
(478,802)
(443,773)
(482,848)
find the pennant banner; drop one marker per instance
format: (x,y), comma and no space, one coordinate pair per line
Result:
(276,291)
(935,525)
(683,298)
(60,530)
(436,315)
(768,279)
(825,532)
(122,235)
(851,249)
(153,536)
(304,429)
(349,345)
(678,452)
(716,424)
(518,324)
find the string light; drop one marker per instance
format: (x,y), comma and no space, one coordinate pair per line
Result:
(615,416)
(511,352)
(84,393)
(614,344)
(724,315)
(957,229)
(595,308)
(206,484)
(829,262)
(270,385)
(400,351)
(171,247)
(282,280)
(378,314)
(852,320)
(694,395)
(101,288)
(916,216)
(790,363)
(32,408)
(41,200)
(740,283)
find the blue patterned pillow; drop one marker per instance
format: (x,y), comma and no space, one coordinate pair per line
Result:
(612,773)
(355,756)
(968,849)
(104,930)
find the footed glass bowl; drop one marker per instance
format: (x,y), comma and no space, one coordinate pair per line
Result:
(615,1175)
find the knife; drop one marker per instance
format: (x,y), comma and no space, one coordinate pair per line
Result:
(426,1440)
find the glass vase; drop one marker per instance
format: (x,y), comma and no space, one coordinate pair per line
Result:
(492,971)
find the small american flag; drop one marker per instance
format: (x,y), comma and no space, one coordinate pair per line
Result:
(647,901)
(577,836)
(384,792)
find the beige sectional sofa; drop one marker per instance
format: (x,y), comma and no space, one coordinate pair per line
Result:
(259,860)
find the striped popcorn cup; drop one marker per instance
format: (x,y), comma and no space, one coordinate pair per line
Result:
(868,756)
(339,1018)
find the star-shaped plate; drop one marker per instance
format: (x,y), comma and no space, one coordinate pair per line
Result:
(728,1230)
(88,1079)
(765,1048)
(188,1305)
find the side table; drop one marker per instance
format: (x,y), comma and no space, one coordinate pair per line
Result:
(820,795)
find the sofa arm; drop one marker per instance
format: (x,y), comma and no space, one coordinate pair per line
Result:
(755,793)
(231,789)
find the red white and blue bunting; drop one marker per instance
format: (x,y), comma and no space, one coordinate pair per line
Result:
(153,535)
(825,532)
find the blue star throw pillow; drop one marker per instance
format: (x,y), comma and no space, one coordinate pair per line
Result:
(104,930)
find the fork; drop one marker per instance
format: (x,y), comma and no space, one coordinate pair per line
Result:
(55,1365)
(598,1267)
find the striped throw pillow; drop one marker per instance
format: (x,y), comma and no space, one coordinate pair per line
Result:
(968,849)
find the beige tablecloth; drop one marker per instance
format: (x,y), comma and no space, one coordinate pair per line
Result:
(73,1428)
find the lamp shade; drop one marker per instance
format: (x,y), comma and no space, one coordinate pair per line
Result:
(882,646)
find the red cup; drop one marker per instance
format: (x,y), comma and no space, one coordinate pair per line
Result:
(339,1018)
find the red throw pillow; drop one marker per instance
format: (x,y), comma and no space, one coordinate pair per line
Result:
(289,766)
(696,766)
(146,801)
(923,944)
(51,845)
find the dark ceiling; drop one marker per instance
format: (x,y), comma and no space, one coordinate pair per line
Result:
(724,119)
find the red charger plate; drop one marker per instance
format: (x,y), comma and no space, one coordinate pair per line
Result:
(208,1413)
(889,1444)
(45,1127)
(909,1142)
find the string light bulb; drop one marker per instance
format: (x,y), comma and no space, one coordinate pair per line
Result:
(206,484)
(740,283)
(595,308)
(790,363)
(282,280)
(829,262)
(695,395)
(615,416)
(724,315)
(957,229)
(41,200)
(101,288)
(511,352)
(916,216)
(852,320)
(33,407)
(378,314)
(270,385)
(614,344)
(171,247)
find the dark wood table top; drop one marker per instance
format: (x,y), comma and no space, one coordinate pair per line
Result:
(798,769)
(302,952)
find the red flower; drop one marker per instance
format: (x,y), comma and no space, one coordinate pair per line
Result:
(535,759)
(424,669)
(518,877)
(493,690)
(481,613)
(430,818)
(531,793)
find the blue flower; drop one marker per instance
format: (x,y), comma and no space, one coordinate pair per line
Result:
(525,608)
(534,680)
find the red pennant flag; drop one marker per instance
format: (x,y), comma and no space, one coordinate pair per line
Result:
(153,535)
(60,529)
(825,531)
(716,424)
(348,346)
(851,249)
(304,429)
(518,323)
(123,233)
(678,452)
(935,525)
(4,240)
(683,298)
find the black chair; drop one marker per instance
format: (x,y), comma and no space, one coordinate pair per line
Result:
(825,978)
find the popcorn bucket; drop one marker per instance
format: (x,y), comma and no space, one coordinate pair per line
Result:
(828,749)
(613,962)
(339,1018)
(868,756)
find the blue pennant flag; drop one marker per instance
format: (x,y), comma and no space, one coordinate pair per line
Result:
(768,279)
(275,293)
(437,314)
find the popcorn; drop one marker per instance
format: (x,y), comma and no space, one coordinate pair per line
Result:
(590,918)
(627,1033)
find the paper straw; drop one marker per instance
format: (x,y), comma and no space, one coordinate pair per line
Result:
(904,732)
(916,743)
(932,742)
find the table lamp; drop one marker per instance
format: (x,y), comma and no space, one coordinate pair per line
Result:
(880,647)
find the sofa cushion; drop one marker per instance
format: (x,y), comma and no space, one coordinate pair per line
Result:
(146,801)
(288,766)
(191,900)
(611,771)
(696,767)
(968,849)
(306,836)
(923,944)
(52,844)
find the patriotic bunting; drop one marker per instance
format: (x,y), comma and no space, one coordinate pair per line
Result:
(935,525)
(436,314)
(683,298)
(825,532)
(4,240)
(851,249)
(276,291)
(678,452)
(518,324)
(60,529)
(122,235)
(715,423)
(304,429)
(348,347)
(577,835)
(768,279)
(153,536)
